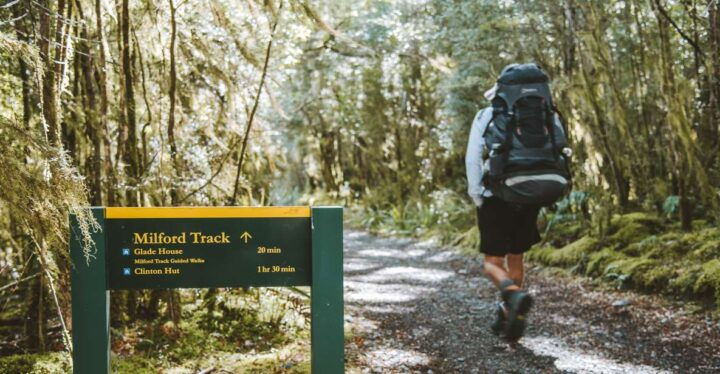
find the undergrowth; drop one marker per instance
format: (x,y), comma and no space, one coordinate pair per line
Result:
(253,330)
(443,214)
(643,252)
(258,330)
(640,250)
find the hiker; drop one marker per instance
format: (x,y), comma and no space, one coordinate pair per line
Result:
(516,163)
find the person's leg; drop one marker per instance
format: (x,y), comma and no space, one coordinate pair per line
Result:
(516,270)
(519,301)
(497,226)
(494,267)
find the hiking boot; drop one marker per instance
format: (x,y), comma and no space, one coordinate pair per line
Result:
(498,326)
(518,304)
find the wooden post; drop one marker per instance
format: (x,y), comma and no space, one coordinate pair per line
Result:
(90,302)
(327,328)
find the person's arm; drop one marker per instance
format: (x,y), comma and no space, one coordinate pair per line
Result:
(473,158)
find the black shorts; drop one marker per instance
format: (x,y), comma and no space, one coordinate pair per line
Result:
(506,228)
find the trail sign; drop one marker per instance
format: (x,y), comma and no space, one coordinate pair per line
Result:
(200,247)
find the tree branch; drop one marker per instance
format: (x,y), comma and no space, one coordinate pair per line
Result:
(254,108)
(677,28)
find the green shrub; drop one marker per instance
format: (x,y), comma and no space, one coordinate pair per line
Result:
(709,280)
(573,254)
(629,270)
(685,278)
(632,227)
(47,363)
(132,364)
(598,261)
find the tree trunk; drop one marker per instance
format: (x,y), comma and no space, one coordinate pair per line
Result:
(49,105)
(101,78)
(569,43)
(36,322)
(21,32)
(92,125)
(713,82)
(128,135)
(251,117)
(174,196)
(685,207)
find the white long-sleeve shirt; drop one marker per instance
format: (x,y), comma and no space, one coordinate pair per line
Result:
(474,167)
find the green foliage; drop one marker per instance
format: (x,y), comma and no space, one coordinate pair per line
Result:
(671,206)
(598,262)
(571,255)
(629,271)
(709,280)
(570,209)
(642,253)
(238,324)
(242,330)
(132,364)
(365,103)
(444,214)
(49,363)
(630,227)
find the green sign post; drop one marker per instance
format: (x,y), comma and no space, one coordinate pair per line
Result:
(199,247)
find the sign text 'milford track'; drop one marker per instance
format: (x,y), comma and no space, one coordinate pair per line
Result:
(197,237)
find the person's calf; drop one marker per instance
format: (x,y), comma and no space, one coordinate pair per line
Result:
(494,269)
(516,268)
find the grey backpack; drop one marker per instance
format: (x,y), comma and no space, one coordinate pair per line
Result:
(524,140)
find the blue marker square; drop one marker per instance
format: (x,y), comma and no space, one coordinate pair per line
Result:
(126,251)
(126,271)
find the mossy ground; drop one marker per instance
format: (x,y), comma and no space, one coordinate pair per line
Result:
(642,253)
(256,331)
(49,363)
(239,331)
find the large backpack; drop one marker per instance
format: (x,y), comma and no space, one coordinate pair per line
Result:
(524,140)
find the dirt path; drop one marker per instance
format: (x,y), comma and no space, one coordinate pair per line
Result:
(416,308)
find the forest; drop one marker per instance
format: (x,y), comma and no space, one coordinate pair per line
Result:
(365,104)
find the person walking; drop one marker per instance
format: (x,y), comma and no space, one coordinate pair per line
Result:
(516,162)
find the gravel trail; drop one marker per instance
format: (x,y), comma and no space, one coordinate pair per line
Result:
(413,307)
